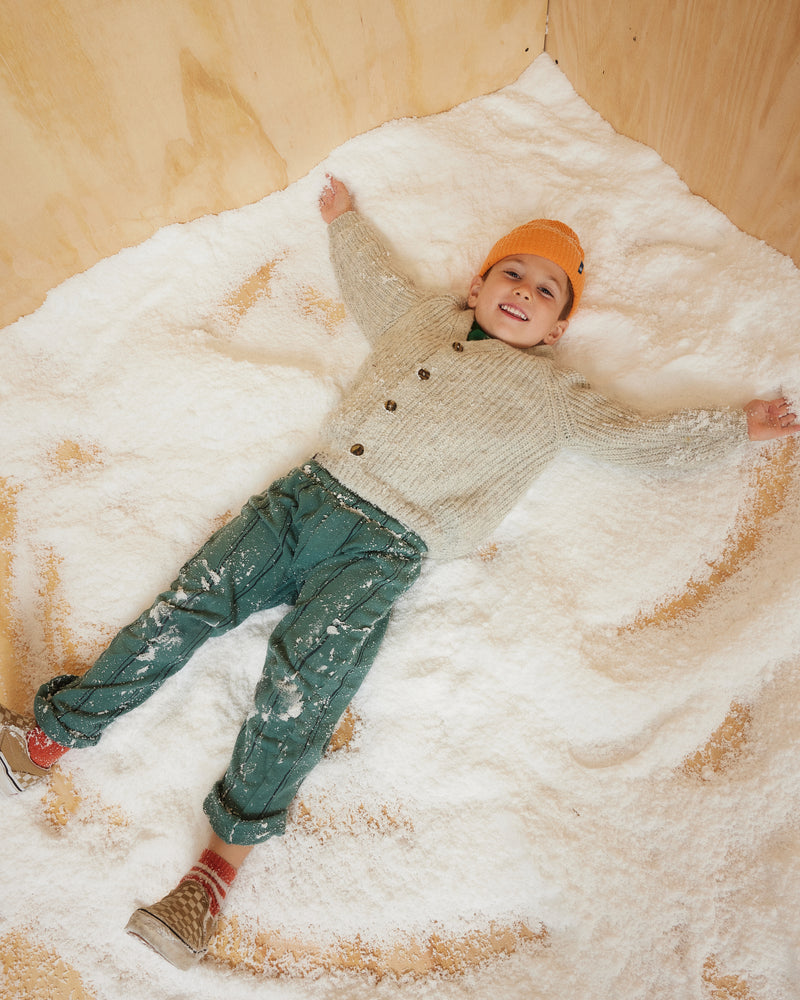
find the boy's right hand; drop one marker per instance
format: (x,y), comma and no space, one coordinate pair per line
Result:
(334,200)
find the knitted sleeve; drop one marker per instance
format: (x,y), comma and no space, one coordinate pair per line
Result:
(611,431)
(373,290)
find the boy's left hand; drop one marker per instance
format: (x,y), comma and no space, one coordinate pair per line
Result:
(770,418)
(335,199)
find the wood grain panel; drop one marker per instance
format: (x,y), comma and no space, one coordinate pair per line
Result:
(712,85)
(118,118)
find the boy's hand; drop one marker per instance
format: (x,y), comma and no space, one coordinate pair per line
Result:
(335,200)
(770,418)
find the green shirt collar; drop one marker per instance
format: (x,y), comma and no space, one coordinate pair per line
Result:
(539,350)
(476,333)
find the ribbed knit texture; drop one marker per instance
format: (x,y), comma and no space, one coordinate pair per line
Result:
(446,434)
(215,875)
(42,750)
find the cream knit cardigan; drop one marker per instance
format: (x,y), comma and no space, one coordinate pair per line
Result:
(446,435)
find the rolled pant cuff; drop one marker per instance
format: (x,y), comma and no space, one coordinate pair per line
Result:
(234,829)
(51,725)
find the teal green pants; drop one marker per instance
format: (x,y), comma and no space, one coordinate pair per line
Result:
(308,542)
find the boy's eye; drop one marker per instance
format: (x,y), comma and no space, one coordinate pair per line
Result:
(546,291)
(512,274)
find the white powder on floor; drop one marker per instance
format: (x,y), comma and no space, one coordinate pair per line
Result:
(525,756)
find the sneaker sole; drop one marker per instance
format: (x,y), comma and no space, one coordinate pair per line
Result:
(15,778)
(163,940)
(8,785)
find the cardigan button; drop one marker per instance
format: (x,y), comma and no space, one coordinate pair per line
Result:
(423,373)
(458,346)
(390,405)
(357,449)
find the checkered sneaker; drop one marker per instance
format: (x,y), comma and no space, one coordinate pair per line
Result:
(179,926)
(17,770)
(9,718)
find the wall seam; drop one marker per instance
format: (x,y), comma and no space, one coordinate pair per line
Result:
(546,26)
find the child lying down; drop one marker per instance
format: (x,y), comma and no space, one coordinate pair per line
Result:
(458,407)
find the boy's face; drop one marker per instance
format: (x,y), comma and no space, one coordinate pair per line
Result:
(520,300)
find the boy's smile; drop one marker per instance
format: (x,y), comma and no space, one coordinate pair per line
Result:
(520,300)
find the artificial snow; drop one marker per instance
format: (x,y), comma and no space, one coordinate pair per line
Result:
(528,752)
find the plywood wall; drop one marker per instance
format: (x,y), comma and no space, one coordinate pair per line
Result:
(120,116)
(712,85)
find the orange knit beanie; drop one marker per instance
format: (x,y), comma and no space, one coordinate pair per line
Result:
(544,238)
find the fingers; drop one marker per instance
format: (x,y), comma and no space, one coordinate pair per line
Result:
(782,417)
(327,194)
(783,411)
(771,418)
(334,199)
(332,187)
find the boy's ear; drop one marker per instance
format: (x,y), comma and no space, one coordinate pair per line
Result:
(475,286)
(556,333)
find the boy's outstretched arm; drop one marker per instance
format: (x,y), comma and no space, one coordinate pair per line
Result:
(334,200)
(374,290)
(770,418)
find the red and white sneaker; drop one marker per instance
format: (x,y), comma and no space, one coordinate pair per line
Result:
(17,770)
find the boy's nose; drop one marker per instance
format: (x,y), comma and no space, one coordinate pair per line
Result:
(521,290)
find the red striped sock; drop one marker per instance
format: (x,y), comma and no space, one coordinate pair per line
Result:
(41,749)
(215,875)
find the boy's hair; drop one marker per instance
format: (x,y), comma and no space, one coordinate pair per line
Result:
(550,239)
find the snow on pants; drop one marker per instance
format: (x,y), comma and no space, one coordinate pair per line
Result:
(309,542)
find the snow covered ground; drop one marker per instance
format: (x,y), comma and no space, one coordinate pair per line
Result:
(519,757)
